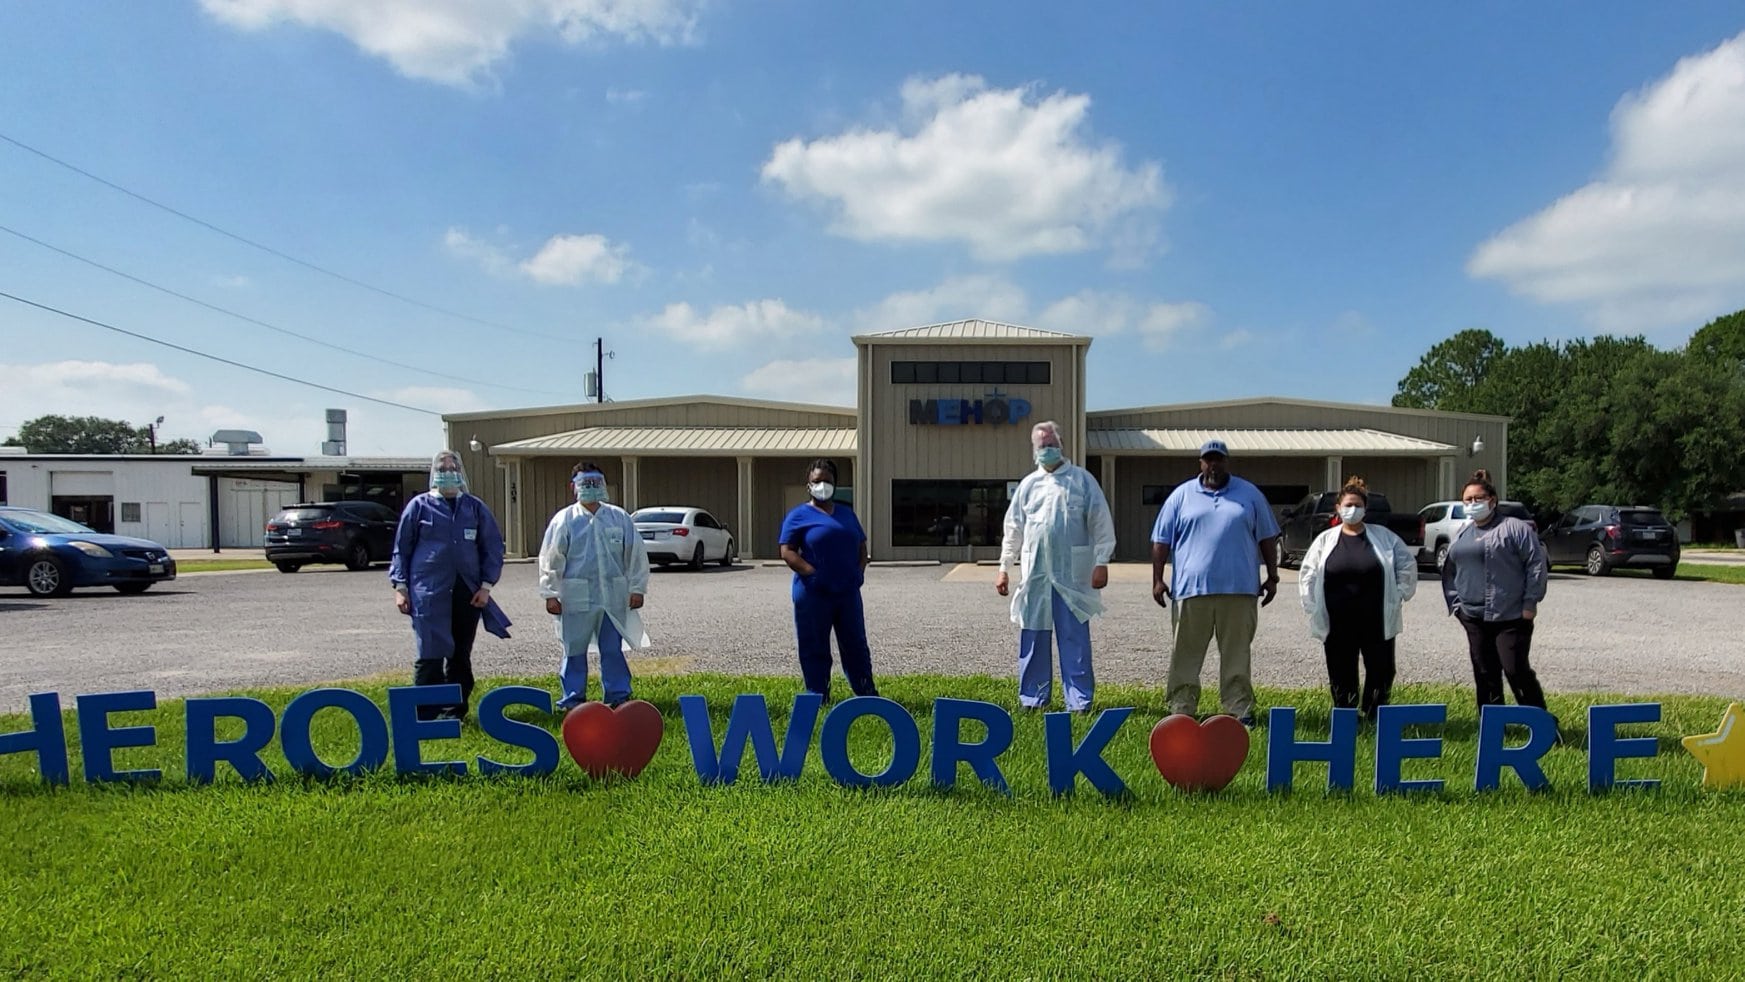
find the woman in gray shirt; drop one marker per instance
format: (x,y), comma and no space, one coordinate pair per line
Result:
(1493,581)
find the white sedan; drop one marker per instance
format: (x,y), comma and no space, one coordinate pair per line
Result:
(679,534)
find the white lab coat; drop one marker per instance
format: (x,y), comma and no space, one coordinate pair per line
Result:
(1397,588)
(592,563)
(1058,526)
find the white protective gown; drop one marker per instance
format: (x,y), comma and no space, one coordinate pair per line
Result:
(592,563)
(1058,526)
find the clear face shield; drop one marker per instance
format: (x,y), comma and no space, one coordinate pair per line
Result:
(590,487)
(447,475)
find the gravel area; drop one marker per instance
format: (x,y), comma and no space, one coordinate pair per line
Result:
(222,631)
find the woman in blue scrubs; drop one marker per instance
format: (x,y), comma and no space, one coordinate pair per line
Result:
(822,542)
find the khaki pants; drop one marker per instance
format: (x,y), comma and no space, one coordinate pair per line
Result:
(1231,618)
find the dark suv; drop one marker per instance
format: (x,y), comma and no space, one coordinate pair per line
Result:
(1603,537)
(356,533)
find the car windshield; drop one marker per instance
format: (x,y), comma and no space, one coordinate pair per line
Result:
(304,514)
(1646,517)
(668,517)
(42,523)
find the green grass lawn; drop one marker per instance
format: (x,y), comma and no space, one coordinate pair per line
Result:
(389,877)
(1702,572)
(220,565)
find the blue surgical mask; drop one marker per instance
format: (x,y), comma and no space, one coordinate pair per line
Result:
(445,480)
(1351,514)
(590,488)
(1478,511)
(1047,456)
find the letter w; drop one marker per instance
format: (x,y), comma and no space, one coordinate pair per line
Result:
(749,721)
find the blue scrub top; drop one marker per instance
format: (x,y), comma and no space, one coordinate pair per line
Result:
(1214,537)
(830,542)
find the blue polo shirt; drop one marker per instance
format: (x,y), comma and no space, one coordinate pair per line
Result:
(1214,537)
(830,542)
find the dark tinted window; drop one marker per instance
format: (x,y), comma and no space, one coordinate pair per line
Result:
(1434,513)
(902,372)
(305,514)
(1649,517)
(971,372)
(926,371)
(1378,502)
(705,521)
(669,517)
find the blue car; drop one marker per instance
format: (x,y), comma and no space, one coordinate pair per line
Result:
(50,555)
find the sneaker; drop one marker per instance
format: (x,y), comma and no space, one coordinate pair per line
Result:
(1247,721)
(614,704)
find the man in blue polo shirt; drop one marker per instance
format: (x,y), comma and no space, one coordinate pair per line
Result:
(1215,530)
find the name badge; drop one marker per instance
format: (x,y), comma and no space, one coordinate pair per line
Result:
(472,534)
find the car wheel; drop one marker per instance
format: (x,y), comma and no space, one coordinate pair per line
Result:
(727,554)
(697,557)
(358,556)
(46,576)
(131,588)
(289,567)
(1441,556)
(1596,562)
(1665,572)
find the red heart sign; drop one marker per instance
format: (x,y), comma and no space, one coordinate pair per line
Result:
(622,740)
(1195,756)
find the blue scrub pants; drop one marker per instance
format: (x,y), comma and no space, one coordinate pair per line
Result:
(1036,668)
(572,675)
(816,614)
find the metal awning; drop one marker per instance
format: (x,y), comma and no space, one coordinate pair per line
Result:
(263,467)
(1271,443)
(680,441)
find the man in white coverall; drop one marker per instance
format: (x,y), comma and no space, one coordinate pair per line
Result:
(593,573)
(1058,522)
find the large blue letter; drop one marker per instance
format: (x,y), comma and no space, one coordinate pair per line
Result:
(949,748)
(97,742)
(294,737)
(749,720)
(410,731)
(1066,762)
(205,750)
(1392,748)
(47,736)
(1493,756)
(1604,747)
(1283,750)
(833,742)
(498,726)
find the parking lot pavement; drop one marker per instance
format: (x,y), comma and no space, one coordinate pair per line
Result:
(222,632)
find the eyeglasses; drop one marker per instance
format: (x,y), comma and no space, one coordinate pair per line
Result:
(1474,501)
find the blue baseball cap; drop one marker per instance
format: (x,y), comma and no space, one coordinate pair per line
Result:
(1214,446)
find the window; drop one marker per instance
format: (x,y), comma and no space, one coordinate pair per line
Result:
(706,521)
(1154,494)
(948,513)
(130,511)
(1283,494)
(660,517)
(971,372)
(2,487)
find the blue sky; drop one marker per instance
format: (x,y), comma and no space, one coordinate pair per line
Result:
(1235,199)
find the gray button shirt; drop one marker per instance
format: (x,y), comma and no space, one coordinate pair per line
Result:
(1496,572)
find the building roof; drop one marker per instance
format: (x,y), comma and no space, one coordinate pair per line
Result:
(1367,407)
(1273,443)
(217,464)
(589,407)
(720,441)
(970,332)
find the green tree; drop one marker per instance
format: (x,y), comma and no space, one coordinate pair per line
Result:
(1722,338)
(1450,375)
(93,435)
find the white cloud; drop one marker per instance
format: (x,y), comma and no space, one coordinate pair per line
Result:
(1158,325)
(1164,323)
(625,97)
(1659,239)
(1235,339)
(1007,171)
(955,298)
(458,42)
(564,260)
(825,381)
(728,326)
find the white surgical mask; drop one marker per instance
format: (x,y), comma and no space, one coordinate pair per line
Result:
(1351,514)
(1047,456)
(1478,511)
(821,490)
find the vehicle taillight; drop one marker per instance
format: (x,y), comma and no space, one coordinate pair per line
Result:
(1612,533)
(681,532)
(1332,521)
(328,524)
(1420,528)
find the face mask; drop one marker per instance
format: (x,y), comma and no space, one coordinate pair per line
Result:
(446,481)
(1351,514)
(1047,456)
(590,491)
(1478,511)
(822,491)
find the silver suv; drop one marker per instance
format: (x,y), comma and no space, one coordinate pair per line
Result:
(1443,520)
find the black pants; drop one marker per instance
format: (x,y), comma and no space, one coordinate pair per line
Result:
(458,670)
(1499,649)
(1342,647)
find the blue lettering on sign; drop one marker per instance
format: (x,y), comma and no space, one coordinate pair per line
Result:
(956,412)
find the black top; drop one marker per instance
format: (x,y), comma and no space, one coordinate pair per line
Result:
(1354,584)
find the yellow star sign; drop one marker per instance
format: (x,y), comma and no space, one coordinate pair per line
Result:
(1722,753)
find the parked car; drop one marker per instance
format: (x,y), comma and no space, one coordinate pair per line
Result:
(1442,521)
(680,534)
(1599,538)
(50,555)
(1317,513)
(356,533)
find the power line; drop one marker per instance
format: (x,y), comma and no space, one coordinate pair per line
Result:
(306,264)
(260,323)
(216,358)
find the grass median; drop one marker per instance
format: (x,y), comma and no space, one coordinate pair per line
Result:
(663,876)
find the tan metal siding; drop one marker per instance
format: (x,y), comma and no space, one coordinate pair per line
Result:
(709,483)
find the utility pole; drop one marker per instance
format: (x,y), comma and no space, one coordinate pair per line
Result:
(151,431)
(599,369)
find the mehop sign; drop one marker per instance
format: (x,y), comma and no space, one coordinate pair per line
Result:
(1189,754)
(952,412)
